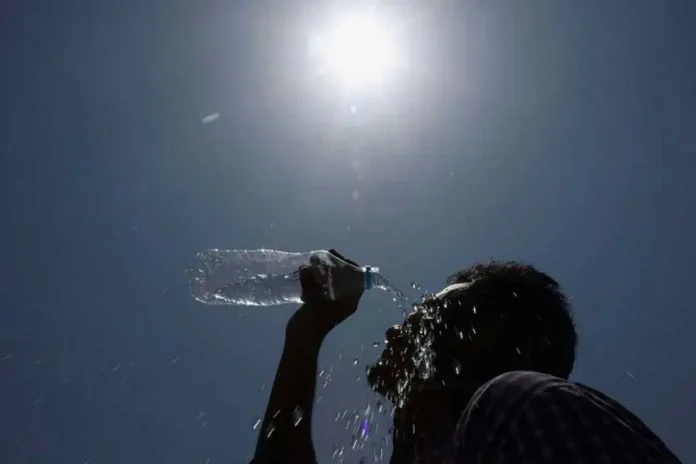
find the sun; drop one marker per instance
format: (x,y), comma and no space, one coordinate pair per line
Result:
(355,50)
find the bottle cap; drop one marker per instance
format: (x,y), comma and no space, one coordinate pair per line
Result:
(370,276)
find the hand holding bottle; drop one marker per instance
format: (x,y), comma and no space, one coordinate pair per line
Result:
(331,292)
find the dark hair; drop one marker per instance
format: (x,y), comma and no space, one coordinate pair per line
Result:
(538,315)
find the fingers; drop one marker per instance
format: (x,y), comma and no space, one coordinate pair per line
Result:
(343,258)
(337,254)
(311,289)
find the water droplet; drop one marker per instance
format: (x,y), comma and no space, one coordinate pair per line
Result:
(473,308)
(415,285)
(356,361)
(338,452)
(473,330)
(297,416)
(375,344)
(338,417)
(518,350)
(269,430)
(256,424)
(514,294)
(457,367)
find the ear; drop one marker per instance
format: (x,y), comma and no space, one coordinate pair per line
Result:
(487,335)
(490,341)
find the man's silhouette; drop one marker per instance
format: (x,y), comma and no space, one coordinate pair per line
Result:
(477,374)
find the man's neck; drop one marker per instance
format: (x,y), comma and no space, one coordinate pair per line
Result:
(427,421)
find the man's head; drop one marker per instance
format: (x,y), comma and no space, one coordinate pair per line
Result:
(491,319)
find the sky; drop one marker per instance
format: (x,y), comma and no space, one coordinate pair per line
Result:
(134,134)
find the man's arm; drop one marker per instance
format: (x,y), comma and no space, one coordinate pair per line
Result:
(286,430)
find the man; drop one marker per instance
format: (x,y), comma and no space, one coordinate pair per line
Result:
(477,374)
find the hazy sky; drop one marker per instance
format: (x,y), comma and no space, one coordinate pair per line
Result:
(555,132)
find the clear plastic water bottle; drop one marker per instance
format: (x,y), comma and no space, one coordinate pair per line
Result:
(271,277)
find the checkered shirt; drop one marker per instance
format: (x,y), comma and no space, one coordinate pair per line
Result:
(528,417)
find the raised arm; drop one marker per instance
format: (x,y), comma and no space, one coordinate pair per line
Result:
(285,435)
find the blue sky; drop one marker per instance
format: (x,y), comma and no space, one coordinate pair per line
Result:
(553,132)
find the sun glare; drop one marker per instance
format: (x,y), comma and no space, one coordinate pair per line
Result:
(355,50)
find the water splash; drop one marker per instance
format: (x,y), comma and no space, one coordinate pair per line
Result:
(338,453)
(402,301)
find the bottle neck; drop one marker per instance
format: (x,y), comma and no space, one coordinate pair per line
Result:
(369,274)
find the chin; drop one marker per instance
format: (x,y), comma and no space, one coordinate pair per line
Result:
(380,379)
(385,376)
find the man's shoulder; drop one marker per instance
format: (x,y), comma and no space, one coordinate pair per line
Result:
(522,382)
(514,389)
(552,416)
(498,402)
(509,392)
(509,395)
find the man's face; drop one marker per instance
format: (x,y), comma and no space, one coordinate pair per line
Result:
(432,342)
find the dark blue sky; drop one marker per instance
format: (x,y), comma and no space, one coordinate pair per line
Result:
(555,132)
